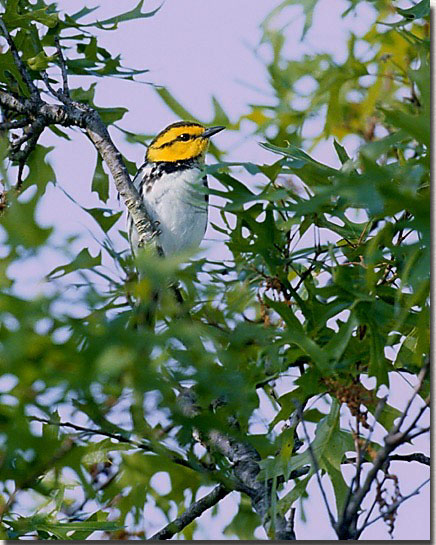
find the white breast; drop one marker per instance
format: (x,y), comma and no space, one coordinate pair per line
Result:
(181,209)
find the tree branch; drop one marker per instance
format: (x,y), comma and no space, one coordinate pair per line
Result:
(69,114)
(34,92)
(193,512)
(118,437)
(413,457)
(346,524)
(245,467)
(393,507)
(245,460)
(63,66)
(316,468)
(16,124)
(29,481)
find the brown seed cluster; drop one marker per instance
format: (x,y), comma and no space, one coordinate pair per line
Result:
(264,315)
(372,453)
(385,504)
(3,201)
(353,394)
(273,283)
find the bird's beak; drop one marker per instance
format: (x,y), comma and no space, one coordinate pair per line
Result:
(211,131)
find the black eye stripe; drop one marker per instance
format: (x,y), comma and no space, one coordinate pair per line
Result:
(179,139)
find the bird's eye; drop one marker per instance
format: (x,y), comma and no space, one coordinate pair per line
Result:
(184,137)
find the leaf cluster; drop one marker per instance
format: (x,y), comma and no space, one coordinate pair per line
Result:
(324,297)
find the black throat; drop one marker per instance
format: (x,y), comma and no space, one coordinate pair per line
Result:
(176,166)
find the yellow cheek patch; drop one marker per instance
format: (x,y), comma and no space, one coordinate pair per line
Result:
(178,151)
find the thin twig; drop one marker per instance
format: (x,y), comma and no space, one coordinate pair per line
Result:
(91,431)
(316,467)
(394,438)
(30,139)
(64,449)
(63,66)
(194,511)
(49,86)
(20,64)
(419,414)
(421,376)
(351,489)
(413,457)
(371,509)
(72,515)
(392,507)
(411,436)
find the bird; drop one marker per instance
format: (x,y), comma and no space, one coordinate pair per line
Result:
(168,183)
(171,185)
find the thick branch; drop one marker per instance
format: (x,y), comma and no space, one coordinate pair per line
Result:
(245,459)
(79,115)
(193,512)
(245,465)
(99,136)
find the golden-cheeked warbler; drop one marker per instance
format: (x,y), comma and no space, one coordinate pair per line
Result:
(169,183)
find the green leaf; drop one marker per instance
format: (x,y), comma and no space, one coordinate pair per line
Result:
(82,13)
(86,525)
(342,153)
(220,117)
(244,523)
(100,181)
(111,115)
(339,342)
(299,490)
(132,15)
(422,9)
(387,416)
(296,334)
(174,105)
(373,150)
(22,213)
(237,193)
(112,22)
(328,447)
(83,260)
(417,126)
(9,71)
(108,115)
(378,364)
(39,62)
(16,16)
(105,217)
(300,163)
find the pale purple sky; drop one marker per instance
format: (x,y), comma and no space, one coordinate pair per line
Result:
(197,49)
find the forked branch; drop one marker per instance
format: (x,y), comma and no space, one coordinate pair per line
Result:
(346,526)
(38,115)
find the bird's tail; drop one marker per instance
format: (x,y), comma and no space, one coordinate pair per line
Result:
(144,312)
